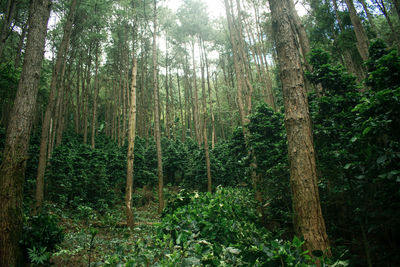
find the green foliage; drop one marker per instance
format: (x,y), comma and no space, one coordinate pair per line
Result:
(78,174)
(41,234)
(356,138)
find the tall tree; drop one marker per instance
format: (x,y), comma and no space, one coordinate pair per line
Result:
(12,169)
(308,220)
(361,35)
(131,146)
(157,116)
(44,140)
(9,14)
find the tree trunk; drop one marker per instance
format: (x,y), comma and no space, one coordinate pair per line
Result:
(361,35)
(205,138)
(96,92)
(131,146)
(370,17)
(213,135)
(195,101)
(183,136)
(20,45)
(44,140)
(157,117)
(12,168)
(308,220)
(236,61)
(11,4)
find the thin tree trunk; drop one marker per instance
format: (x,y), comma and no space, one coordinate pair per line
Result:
(181,109)
(20,45)
(44,140)
(15,152)
(157,117)
(236,60)
(96,92)
(205,138)
(213,135)
(196,100)
(361,35)
(11,4)
(308,220)
(370,17)
(131,146)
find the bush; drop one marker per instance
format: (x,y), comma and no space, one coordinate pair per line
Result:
(41,234)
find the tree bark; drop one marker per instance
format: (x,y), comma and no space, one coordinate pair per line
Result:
(131,146)
(12,168)
(44,140)
(96,92)
(236,60)
(370,17)
(361,35)
(308,220)
(157,117)
(11,4)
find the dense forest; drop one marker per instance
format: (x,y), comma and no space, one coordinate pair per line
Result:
(197,133)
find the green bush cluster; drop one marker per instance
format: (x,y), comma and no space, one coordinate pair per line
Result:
(356,137)
(41,234)
(220,229)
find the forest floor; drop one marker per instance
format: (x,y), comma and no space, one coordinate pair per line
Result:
(92,238)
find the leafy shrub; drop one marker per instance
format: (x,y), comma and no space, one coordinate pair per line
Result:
(41,234)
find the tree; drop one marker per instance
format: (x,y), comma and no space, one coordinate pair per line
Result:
(157,116)
(12,169)
(131,146)
(361,35)
(308,220)
(62,52)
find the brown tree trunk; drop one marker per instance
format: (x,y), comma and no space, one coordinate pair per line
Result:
(20,45)
(86,97)
(131,146)
(370,17)
(96,92)
(308,220)
(213,135)
(195,100)
(395,33)
(11,4)
(237,62)
(183,134)
(347,57)
(157,117)
(78,106)
(361,35)
(44,140)
(12,168)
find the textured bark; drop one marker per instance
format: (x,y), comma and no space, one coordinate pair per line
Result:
(195,100)
(370,17)
(131,148)
(347,57)
(213,134)
(236,62)
(85,96)
(11,4)
(308,220)
(395,32)
(20,45)
(96,92)
(183,136)
(157,117)
(167,112)
(12,169)
(205,138)
(361,35)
